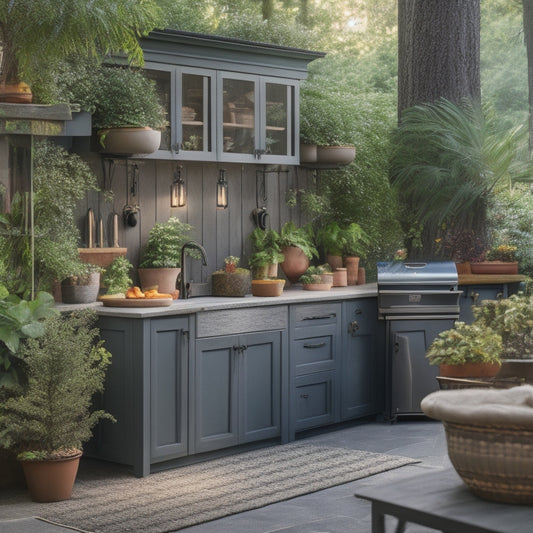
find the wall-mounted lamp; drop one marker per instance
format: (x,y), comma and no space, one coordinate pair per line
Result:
(222,190)
(177,190)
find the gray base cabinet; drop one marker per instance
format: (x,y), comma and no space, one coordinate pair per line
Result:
(237,390)
(475,294)
(362,376)
(146,390)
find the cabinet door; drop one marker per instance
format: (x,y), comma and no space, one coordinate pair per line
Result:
(474,295)
(168,388)
(362,368)
(260,385)
(314,400)
(216,393)
(237,117)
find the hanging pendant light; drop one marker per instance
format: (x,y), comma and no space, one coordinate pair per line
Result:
(177,190)
(222,190)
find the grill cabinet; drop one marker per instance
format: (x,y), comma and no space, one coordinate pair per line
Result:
(417,300)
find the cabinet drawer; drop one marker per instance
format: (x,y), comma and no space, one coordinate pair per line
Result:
(315,400)
(235,321)
(312,315)
(314,354)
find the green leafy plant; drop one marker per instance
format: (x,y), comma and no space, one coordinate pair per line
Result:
(164,244)
(231,263)
(116,276)
(503,252)
(313,275)
(465,343)
(265,248)
(19,319)
(355,241)
(330,238)
(78,27)
(512,319)
(65,368)
(302,237)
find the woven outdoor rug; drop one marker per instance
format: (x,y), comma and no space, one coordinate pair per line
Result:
(189,495)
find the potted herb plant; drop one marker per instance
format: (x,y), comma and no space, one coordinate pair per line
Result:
(355,242)
(128,116)
(83,284)
(266,253)
(498,260)
(317,278)
(331,239)
(298,249)
(466,350)
(160,261)
(116,277)
(53,416)
(26,30)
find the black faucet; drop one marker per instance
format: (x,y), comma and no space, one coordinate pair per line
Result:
(184,289)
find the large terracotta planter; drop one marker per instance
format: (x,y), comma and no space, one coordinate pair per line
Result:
(15,93)
(295,263)
(51,481)
(469,370)
(334,261)
(164,279)
(352,269)
(494,267)
(130,140)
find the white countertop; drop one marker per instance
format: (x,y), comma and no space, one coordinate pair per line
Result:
(292,295)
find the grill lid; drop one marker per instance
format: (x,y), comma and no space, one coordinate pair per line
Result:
(441,274)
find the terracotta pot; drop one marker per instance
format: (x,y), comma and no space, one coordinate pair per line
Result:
(469,370)
(463,268)
(317,286)
(361,276)
(494,267)
(130,140)
(162,279)
(308,153)
(267,287)
(295,263)
(340,277)
(340,155)
(81,294)
(273,270)
(352,268)
(334,261)
(51,481)
(15,93)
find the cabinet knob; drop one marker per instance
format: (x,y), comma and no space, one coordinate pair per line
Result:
(475,298)
(304,396)
(353,327)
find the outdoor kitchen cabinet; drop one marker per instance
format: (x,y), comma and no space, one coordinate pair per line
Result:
(238,383)
(146,390)
(315,343)
(362,376)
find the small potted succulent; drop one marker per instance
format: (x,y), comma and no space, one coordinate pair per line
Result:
(317,278)
(231,281)
(466,350)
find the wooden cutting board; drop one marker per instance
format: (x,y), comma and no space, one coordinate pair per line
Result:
(136,302)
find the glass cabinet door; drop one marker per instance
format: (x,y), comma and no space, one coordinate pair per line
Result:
(279,121)
(195,116)
(238,106)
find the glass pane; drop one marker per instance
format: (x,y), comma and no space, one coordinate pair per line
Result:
(162,82)
(277,119)
(239,118)
(195,113)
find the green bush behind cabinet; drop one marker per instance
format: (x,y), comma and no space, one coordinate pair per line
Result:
(146,390)
(362,377)
(238,389)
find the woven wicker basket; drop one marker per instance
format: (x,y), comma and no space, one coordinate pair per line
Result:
(490,439)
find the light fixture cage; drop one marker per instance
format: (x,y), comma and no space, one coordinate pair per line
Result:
(177,190)
(222,190)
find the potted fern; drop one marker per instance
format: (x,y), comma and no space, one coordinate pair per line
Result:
(49,421)
(297,248)
(116,277)
(266,253)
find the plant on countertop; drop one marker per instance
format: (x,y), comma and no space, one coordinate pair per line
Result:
(164,244)
(314,274)
(330,238)
(230,263)
(355,241)
(465,343)
(301,238)
(503,252)
(65,368)
(116,276)
(82,274)
(33,34)
(512,319)
(265,247)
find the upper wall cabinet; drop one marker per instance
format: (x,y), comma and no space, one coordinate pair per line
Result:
(227,100)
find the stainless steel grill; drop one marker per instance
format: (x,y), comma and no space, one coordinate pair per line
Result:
(417,301)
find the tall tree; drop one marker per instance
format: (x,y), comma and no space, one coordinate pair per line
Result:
(528,35)
(438,51)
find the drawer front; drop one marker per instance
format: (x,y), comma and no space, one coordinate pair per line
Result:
(235,321)
(314,354)
(312,315)
(314,401)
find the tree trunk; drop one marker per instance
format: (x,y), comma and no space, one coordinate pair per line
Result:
(528,36)
(267,9)
(438,51)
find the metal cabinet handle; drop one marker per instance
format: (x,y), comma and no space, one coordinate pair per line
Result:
(323,317)
(304,396)
(239,348)
(319,345)
(475,297)
(358,311)
(353,327)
